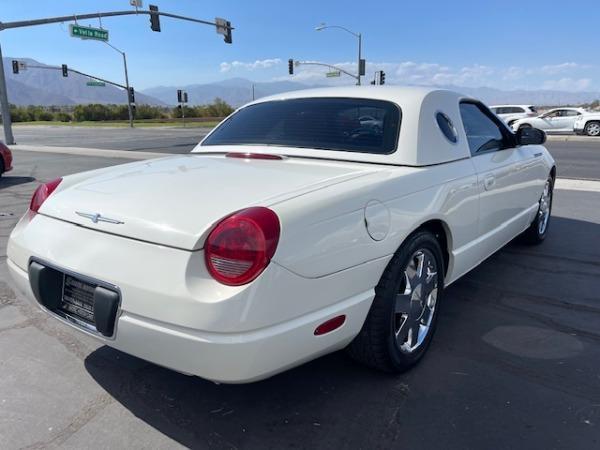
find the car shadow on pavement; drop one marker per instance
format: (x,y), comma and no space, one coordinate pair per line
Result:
(8,181)
(468,376)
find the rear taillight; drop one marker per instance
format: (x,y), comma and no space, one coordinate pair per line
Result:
(42,192)
(241,246)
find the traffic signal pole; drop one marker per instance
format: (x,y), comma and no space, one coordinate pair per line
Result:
(4,107)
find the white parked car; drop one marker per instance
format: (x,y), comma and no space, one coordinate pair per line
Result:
(288,233)
(559,120)
(510,113)
(588,124)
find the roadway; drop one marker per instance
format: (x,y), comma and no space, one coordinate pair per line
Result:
(577,157)
(515,363)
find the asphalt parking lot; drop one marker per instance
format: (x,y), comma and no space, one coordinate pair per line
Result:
(515,363)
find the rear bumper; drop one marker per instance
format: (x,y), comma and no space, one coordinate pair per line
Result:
(227,357)
(187,322)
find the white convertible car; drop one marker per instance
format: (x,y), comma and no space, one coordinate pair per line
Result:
(291,231)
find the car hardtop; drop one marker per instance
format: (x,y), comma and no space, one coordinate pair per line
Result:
(420,142)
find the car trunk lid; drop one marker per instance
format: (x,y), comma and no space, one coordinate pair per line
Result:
(174,201)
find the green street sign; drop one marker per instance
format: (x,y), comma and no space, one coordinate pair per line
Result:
(96,83)
(335,73)
(88,33)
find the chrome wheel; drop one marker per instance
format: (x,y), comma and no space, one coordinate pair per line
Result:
(593,129)
(544,209)
(415,301)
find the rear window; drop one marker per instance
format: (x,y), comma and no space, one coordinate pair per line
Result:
(344,124)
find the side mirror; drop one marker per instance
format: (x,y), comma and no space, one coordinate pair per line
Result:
(530,136)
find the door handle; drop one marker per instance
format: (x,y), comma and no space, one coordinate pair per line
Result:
(488,182)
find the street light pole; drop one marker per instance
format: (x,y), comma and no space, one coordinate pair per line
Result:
(356,35)
(359,56)
(129,109)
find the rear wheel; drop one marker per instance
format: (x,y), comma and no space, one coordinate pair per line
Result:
(536,233)
(592,129)
(403,316)
(1,167)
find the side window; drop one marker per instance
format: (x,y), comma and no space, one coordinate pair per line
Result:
(571,113)
(518,109)
(483,134)
(553,114)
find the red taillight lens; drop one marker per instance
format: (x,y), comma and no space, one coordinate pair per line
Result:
(42,192)
(242,245)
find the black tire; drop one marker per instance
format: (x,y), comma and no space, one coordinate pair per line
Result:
(1,167)
(377,344)
(536,233)
(592,128)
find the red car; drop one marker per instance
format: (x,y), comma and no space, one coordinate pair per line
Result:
(5,159)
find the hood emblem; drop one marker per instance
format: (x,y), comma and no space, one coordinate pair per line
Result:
(97,217)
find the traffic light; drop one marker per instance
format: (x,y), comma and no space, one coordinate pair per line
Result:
(154,18)
(179,95)
(185,97)
(291,66)
(228,39)
(133,110)
(131,95)
(361,67)
(65,70)
(381,77)
(15,65)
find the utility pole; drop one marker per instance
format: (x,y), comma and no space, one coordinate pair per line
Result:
(222,27)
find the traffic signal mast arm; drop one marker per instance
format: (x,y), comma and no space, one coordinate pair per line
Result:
(74,18)
(307,63)
(78,72)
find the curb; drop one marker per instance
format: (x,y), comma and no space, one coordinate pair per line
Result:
(572,138)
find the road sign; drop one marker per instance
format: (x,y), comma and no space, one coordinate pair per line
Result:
(136,3)
(96,83)
(335,73)
(97,34)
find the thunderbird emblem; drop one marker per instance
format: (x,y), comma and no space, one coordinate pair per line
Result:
(97,217)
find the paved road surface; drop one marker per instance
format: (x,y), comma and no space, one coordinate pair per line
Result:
(159,139)
(515,364)
(578,158)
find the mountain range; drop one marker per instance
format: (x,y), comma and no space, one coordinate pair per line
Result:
(49,87)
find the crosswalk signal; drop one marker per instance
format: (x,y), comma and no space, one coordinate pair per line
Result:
(154,18)
(291,66)
(65,70)
(15,65)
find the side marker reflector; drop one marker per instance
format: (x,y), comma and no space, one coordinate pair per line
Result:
(330,325)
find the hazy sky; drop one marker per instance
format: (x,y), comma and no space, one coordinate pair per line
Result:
(506,44)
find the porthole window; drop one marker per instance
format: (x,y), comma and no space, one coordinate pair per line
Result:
(447,127)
